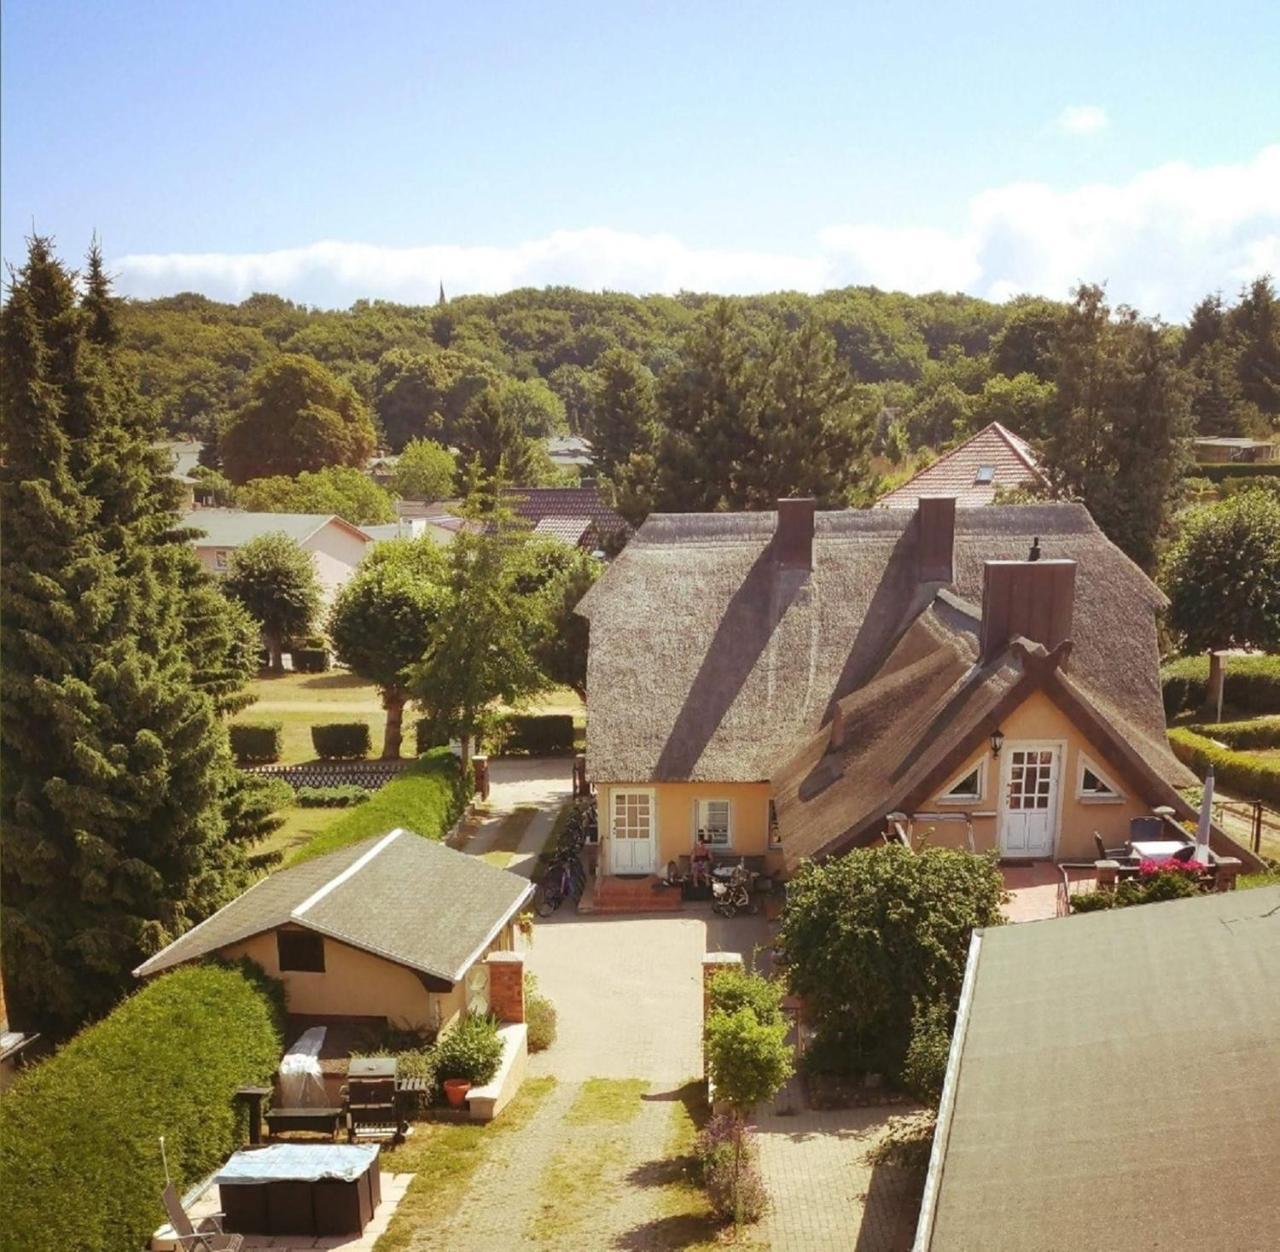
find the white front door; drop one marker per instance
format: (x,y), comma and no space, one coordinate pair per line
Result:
(1029,807)
(633,832)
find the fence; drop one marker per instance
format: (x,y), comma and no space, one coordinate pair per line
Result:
(1233,815)
(370,774)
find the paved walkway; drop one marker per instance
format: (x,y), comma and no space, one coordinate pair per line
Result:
(823,1194)
(541,783)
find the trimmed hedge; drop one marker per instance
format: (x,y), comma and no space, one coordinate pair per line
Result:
(341,741)
(543,734)
(258,743)
(1252,684)
(310,660)
(1251,777)
(342,796)
(79,1133)
(426,797)
(1216,471)
(425,737)
(1261,732)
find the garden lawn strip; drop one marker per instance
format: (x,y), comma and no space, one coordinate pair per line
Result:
(444,1158)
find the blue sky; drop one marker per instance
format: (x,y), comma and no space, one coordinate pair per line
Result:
(331,151)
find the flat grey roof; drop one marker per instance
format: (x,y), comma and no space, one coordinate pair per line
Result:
(230,528)
(1115,1084)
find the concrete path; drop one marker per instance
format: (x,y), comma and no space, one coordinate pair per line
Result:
(541,783)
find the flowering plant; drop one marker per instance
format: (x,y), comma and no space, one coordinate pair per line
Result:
(1175,867)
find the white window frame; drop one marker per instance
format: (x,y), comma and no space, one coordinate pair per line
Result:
(221,559)
(979,480)
(700,824)
(945,796)
(1113,796)
(619,793)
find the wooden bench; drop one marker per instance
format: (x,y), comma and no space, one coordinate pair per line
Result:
(318,1120)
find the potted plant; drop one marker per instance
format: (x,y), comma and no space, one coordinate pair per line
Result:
(468,1056)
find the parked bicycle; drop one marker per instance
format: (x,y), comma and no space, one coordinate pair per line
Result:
(565,876)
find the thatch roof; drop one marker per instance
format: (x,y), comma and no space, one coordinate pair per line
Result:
(410,900)
(1111,1083)
(710,661)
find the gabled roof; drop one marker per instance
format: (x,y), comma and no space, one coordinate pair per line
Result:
(232,528)
(956,473)
(570,530)
(711,662)
(411,900)
(535,503)
(1111,1083)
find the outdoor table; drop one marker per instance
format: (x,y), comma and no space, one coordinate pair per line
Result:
(1156,849)
(300,1189)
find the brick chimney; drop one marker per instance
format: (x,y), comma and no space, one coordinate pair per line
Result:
(1034,599)
(935,538)
(793,537)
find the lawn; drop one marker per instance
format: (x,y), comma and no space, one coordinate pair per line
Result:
(300,701)
(300,826)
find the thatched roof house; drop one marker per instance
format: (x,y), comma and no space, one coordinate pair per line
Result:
(786,679)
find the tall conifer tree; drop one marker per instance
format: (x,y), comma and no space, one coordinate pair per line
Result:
(116,777)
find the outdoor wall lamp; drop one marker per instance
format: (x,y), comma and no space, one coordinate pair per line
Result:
(997,742)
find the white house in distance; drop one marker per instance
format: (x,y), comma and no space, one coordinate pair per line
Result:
(336,546)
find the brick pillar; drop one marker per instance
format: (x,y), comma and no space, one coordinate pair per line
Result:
(506,986)
(1225,873)
(712,964)
(1108,874)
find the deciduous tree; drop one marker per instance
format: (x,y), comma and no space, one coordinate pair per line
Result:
(425,470)
(275,580)
(339,489)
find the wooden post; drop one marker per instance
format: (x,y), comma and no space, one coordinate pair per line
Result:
(1217,682)
(480,767)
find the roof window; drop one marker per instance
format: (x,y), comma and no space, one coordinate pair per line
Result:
(985,474)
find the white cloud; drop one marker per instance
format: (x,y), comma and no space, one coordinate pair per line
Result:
(1160,241)
(1082,119)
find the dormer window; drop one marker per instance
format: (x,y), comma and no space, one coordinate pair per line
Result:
(986,475)
(1094,785)
(967,789)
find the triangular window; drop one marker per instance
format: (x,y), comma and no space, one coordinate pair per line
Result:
(966,788)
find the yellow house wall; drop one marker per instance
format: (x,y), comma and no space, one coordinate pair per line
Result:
(748,819)
(1039,719)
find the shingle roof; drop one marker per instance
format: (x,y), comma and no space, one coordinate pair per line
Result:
(1112,1083)
(231,528)
(709,661)
(570,530)
(955,473)
(408,899)
(535,503)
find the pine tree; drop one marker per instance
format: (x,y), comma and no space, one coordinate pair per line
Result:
(115,767)
(624,414)
(1256,320)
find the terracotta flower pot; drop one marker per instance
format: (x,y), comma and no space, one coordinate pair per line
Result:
(455,1091)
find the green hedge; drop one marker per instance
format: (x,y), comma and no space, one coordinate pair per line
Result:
(1261,732)
(1252,684)
(425,736)
(544,734)
(342,796)
(257,743)
(1216,471)
(1250,777)
(310,660)
(427,797)
(79,1133)
(341,741)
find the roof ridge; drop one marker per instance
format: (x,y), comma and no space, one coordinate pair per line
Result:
(1020,447)
(338,879)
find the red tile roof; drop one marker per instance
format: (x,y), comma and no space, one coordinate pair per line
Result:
(955,473)
(536,503)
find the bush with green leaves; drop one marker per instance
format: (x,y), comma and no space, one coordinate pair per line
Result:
(79,1132)
(866,936)
(472,1050)
(735,988)
(1248,775)
(736,1192)
(426,797)
(1251,684)
(275,579)
(924,1068)
(907,1142)
(539,1016)
(1145,888)
(427,735)
(310,660)
(1258,732)
(341,741)
(543,734)
(256,743)
(340,797)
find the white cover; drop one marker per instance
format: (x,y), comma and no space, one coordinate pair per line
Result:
(301,1082)
(297,1162)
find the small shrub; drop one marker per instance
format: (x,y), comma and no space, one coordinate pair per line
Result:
(737,1196)
(544,734)
(426,736)
(471,1050)
(311,660)
(341,741)
(1155,882)
(906,1142)
(340,797)
(539,1016)
(925,1066)
(714,1144)
(733,989)
(256,743)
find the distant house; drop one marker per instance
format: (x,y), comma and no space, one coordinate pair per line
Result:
(185,455)
(576,515)
(391,928)
(1111,1083)
(434,518)
(787,681)
(569,451)
(994,458)
(1216,450)
(336,546)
